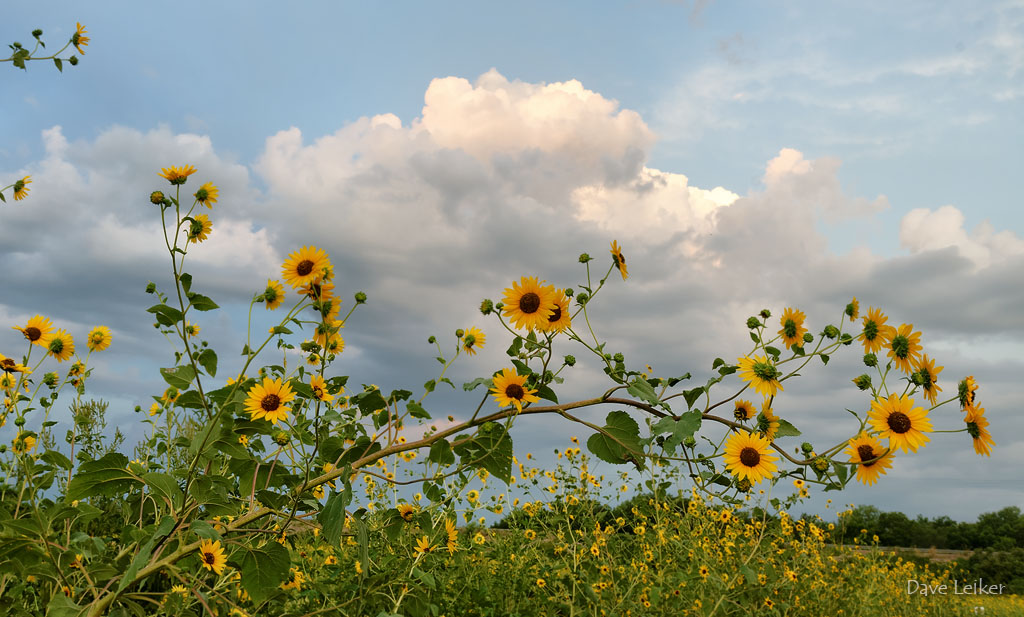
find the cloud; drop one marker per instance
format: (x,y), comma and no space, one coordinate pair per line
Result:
(923,229)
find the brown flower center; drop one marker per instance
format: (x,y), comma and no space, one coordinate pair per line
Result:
(750,457)
(529,303)
(7,364)
(899,422)
(866,453)
(514,391)
(209,558)
(270,402)
(305,267)
(33,333)
(556,315)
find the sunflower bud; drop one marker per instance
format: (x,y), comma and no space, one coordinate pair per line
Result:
(820,464)
(568,292)
(486,307)
(846,339)
(863,382)
(50,379)
(808,337)
(831,331)
(582,299)
(765,313)
(570,360)
(807,448)
(744,485)
(360,298)
(584,258)
(619,357)
(753,323)
(37,33)
(281,438)
(460,333)
(309,346)
(3,448)
(73,60)
(156,197)
(432,340)
(19,421)
(151,287)
(870,359)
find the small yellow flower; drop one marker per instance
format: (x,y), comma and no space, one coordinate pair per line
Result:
(177,175)
(20,190)
(211,556)
(78,39)
(207,195)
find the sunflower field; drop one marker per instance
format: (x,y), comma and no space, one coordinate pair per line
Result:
(275,491)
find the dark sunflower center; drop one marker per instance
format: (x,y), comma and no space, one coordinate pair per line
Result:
(7,363)
(790,328)
(765,371)
(972,430)
(270,402)
(866,453)
(900,346)
(33,333)
(529,303)
(514,391)
(899,422)
(750,457)
(305,267)
(870,330)
(556,315)
(315,290)
(209,558)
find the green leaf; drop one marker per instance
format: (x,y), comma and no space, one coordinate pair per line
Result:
(692,395)
(824,359)
(62,606)
(280,330)
(755,338)
(165,315)
(643,390)
(208,360)
(202,303)
(749,574)
(142,557)
(107,476)
(490,449)
(189,400)
(332,516)
(264,569)
(717,363)
(164,486)
(787,430)
(186,282)
(441,453)
(547,394)
(417,410)
(180,376)
(430,385)
(57,63)
(369,402)
(470,386)
(686,426)
(55,458)
(772,351)
(627,448)
(841,472)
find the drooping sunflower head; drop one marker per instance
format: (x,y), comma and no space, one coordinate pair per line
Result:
(853,309)
(927,374)
(529,304)
(61,346)
(78,39)
(191,329)
(207,194)
(897,419)
(8,365)
(793,329)
(472,340)
(965,390)
(273,295)
(211,556)
(905,348)
(747,456)
(761,374)
(873,458)
(99,338)
(876,333)
(977,428)
(21,189)
(744,411)
(268,400)
(304,266)
(510,389)
(620,261)
(559,320)
(767,422)
(37,330)
(177,175)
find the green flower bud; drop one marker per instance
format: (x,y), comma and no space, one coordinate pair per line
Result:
(846,339)
(73,60)
(870,359)
(820,464)
(138,408)
(744,485)
(19,421)
(831,331)
(808,337)
(50,379)
(486,307)
(37,33)
(582,299)
(689,442)
(753,323)
(806,447)
(863,382)
(431,340)
(460,333)
(568,292)
(16,45)
(3,448)
(570,360)
(619,357)
(584,258)
(281,438)
(151,287)
(360,297)
(765,313)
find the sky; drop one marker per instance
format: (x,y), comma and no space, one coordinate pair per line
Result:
(745,156)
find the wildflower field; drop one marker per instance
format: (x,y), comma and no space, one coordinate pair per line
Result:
(276,491)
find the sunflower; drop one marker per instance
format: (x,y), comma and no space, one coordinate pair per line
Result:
(761,374)
(304,266)
(747,457)
(20,190)
(78,39)
(199,228)
(767,422)
(267,400)
(744,411)
(905,348)
(928,373)
(8,365)
(319,388)
(864,447)
(191,329)
(875,333)
(897,419)
(176,175)
(529,304)
(8,381)
(207,195)
(273,295)
(335,344)
(560,318)
(211,556)
(24,442)
(793,328)
(99,338)
(423,546)
(620,261)
(852,309)
(406,510)
(37,330)
(472,496)
(977,428)
(472,340)
(61,346)
(965,391)
(509,389)
(325,330)
(453,535)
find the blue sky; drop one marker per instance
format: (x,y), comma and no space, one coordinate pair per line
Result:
(800,154)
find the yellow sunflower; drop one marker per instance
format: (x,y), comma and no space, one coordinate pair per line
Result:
(191,329)
(24,442)
(744,411)
(99,338)
(852,309)
(199,229)
(767,421)
(319,388)
(903,424)
(453,535)
(761,374)
(78,39)
(20,188)
(61,346)
(423,546)
(207,194)
(529,304)
(8,382)
(325,330)
(304,266)
(793,328)
(510,389)
(928,373)
(274,294)
(747,457)
(876,334)
(560,319)
(965,391)
(472,340)
(8,365)
(977,428)
(211,556)
(864,447)
(335,344)
(37,330)
(905,348)
(406,510)
(176,175)
(619,259)
(267,400)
